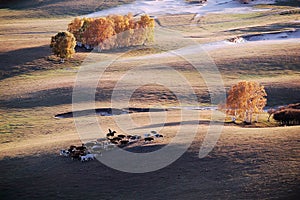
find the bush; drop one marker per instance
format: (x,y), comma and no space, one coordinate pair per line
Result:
(288,115)
(63,45)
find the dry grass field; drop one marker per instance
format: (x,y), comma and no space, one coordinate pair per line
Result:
(254,162)
(54,8)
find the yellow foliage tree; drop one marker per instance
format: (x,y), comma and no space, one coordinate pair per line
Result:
(143,31)
(148,24)
(98,30)
(245,99)
(123,26)
(85,26)
(75,28)
(63,45)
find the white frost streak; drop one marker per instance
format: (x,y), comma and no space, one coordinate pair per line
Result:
(163,7)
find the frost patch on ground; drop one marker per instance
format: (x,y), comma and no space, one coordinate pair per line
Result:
(164,7)
(275,36)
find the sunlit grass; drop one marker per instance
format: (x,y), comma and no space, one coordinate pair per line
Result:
(274,63)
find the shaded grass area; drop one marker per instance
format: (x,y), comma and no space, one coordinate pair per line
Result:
(23,61)
(42,98)
(63,96)
(214,26)
(270,28)
(245,20)
(260,59)
(101,181)
(282,95)
(260,67)
(295,3)
(28,60)
(56,8)
(248,167)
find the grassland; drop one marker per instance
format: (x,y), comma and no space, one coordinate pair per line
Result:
(55,8)
(247,162)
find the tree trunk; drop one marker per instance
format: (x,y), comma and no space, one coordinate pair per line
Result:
(235,116)
(256,119)
(246,116)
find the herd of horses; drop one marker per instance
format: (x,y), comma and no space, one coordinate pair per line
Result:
(88,151)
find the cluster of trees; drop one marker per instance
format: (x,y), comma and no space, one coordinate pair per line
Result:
(287,115)
(245,99)
(113,31)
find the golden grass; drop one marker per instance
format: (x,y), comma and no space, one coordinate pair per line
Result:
(245,160)
(26,33)
(215,27)
(39,87)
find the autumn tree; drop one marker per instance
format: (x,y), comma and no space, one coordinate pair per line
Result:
(148,24)
(143,31)
(63,45)
(245,99)
(123,26)
(75,28)
(84,28)
(98,31)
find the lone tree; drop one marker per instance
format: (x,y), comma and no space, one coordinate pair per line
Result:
(63,45)
(245,99)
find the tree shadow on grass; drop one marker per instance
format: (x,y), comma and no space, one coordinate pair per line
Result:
(107,112)
(20,61)
(265,29)
(29,4)
(60,96)
(43,98)
(54,177)
(219,175)
(278,96)
(295,3)
(191,122)
(51,97)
